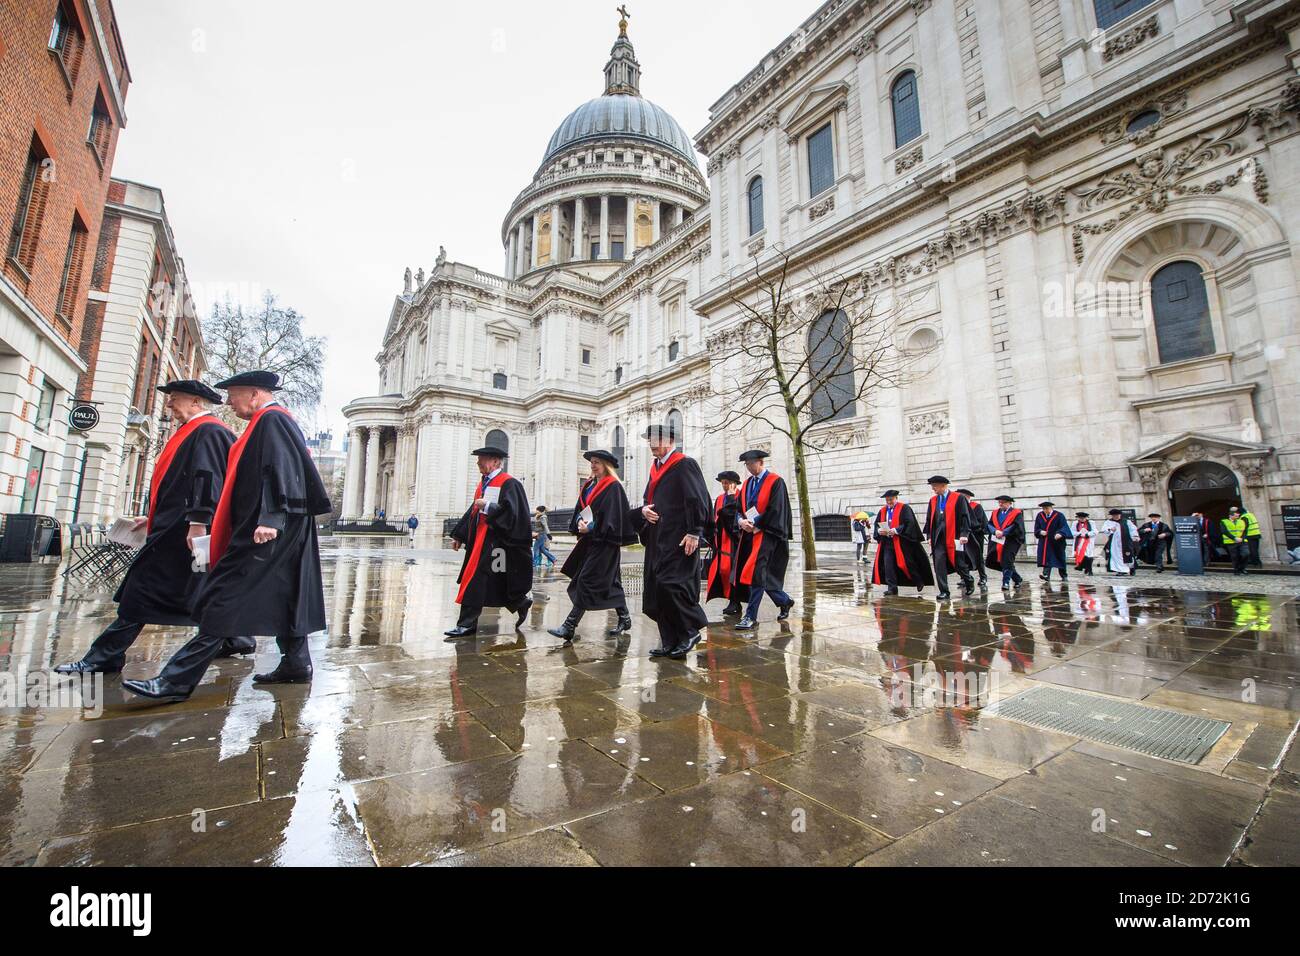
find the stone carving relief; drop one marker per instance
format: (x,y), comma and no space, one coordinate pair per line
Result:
(1279,117)
(821,209)
(1132,38)
(929,423)
(908,161)
(865,44)
(1167,106)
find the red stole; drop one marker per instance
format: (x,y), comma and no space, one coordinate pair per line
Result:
(1012,516)
(1080,542)
(656,472)
(898,544)
(590,494)
(764,493)
(222,528)
(168,453)
(1048,522)
(480,535)
(721,563)
(949,526)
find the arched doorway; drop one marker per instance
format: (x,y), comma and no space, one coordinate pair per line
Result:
(1207,487)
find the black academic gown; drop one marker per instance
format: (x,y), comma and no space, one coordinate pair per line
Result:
(1051,552)
(271,589)
(1003,557)
(672,578)
(914,571)
(160,584)
(774,530)
(935,531)
(726,545)
(593,566)
(510,532)
(1152,544)
(979,523)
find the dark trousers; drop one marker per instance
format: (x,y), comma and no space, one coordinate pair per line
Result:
(779,598)
(1085,566)
(1009,574)
(575,615)
(1240,554)
(469,614)
(942,569)
(1253,545)
(980,567)
(188,665)
(109,650)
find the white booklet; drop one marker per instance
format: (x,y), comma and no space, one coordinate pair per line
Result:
(752,514)
(492,496)
(123,532)
(587,516)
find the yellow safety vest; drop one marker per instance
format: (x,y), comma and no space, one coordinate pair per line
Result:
(1232,530)
(1252,525)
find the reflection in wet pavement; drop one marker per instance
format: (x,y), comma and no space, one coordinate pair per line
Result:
(854,733)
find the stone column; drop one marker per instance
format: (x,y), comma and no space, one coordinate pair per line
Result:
(520,248)
(352,480)
(579,227)
(679,216)
(656,210)
(557,246)
(533,256)
(368,499)
(604,226)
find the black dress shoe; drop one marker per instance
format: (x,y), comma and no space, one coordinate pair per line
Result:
(566,634)
(891,592)
(523,613)
(732,610)
(162,691)
(624,626)
(945,596)
(85,667)
(282,676)
(660,652)
(746,624)
(458,632)
(234,646)
(785,612)
(681,650)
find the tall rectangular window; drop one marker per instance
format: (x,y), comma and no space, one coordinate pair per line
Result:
(101,130)
(32,482)
(821,161)
(73,262)
(67,43)
(1112,11)
(616,250)
(45,410)
(33,194)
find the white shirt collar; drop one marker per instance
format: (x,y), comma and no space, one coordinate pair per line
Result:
(660,461)
(492,474)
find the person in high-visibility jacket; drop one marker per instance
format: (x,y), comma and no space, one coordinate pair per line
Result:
(1234,540)
(1252,536)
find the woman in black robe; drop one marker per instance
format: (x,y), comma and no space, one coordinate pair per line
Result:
(725,542)
(594,566)
(490,527)
(900,559)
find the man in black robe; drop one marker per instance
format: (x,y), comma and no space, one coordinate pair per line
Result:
(497,535)
(766,530)
(265,576)
(726,544)
(947,527)
(672,521)
(899,555)
(1156,537)
(183,493)
(979,523)
(1006,528)
(1052,531)
(594,567)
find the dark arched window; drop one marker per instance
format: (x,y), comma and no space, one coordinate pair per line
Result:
(500,381)
(496,438)
(677,427)
(1112,11)
(1142,121)
(830,365)
(907,109)
(1180,306)
(756,205)
(618,450)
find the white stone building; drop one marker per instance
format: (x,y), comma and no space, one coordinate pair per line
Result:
(1088,207)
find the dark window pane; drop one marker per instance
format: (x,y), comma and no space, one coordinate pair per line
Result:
(673,350)
(1181,307)
(500,381)
(616,250)
(907,109)
(831,366)
(1142,121)
(496,438)
(821,161)
(1113,11)
(831,528)
(756,205)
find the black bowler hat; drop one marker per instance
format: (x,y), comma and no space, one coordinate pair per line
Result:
(490,451)
(661,431)
(1116,511)
(189,386)
(891,493)
(1047,504)
(755,456)
(1154,514)
(1004,498)
(601,455)
(1082,514)
(938,480)
(730,476)
(255,379)
(966,491)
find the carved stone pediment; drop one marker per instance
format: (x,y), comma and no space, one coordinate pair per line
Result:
(1247,458)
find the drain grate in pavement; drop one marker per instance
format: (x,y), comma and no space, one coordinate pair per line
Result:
(1146,730)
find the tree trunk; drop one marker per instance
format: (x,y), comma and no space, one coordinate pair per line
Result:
(807,539)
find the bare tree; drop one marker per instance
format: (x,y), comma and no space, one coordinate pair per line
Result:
(270,338)
(805,355)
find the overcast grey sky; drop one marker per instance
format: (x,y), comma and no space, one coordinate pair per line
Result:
(317,148)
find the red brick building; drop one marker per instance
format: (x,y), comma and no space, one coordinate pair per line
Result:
(63,85)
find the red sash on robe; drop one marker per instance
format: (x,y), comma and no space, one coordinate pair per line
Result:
(590,494)
(949,528)
(1080,543)
(657,472)
(898,545)
(721,563)
(480,535)
(1011,519)
(168,453)
(764,494)
(222,528)
(1047,535)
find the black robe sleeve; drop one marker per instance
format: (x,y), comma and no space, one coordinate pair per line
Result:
(290,483)
(908,527)
(929,520)
(776,520)
(510,518)
(699,507)
(611,518)
(461,531)
(207,472)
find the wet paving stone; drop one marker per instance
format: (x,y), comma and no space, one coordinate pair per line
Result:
(789,724)
(548,848)
(867,702)
(518,687)
(1101,680)
(1193,822)
(314,829)
(663,700)
(740,820)
(679,753)
(1247,690)
(387,705)
(985,745)
(884,787)
(537,723)
(729,686)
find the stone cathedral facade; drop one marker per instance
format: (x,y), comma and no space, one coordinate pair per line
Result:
(1086,211)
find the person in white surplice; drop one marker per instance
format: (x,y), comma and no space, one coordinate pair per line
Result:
(1121,546)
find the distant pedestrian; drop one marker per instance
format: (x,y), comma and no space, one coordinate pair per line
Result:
(543,529)
(860,534)
(412,523)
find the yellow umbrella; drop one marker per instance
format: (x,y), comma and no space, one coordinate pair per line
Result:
(861,516)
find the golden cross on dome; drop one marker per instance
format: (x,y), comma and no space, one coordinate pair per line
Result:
(622,24)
